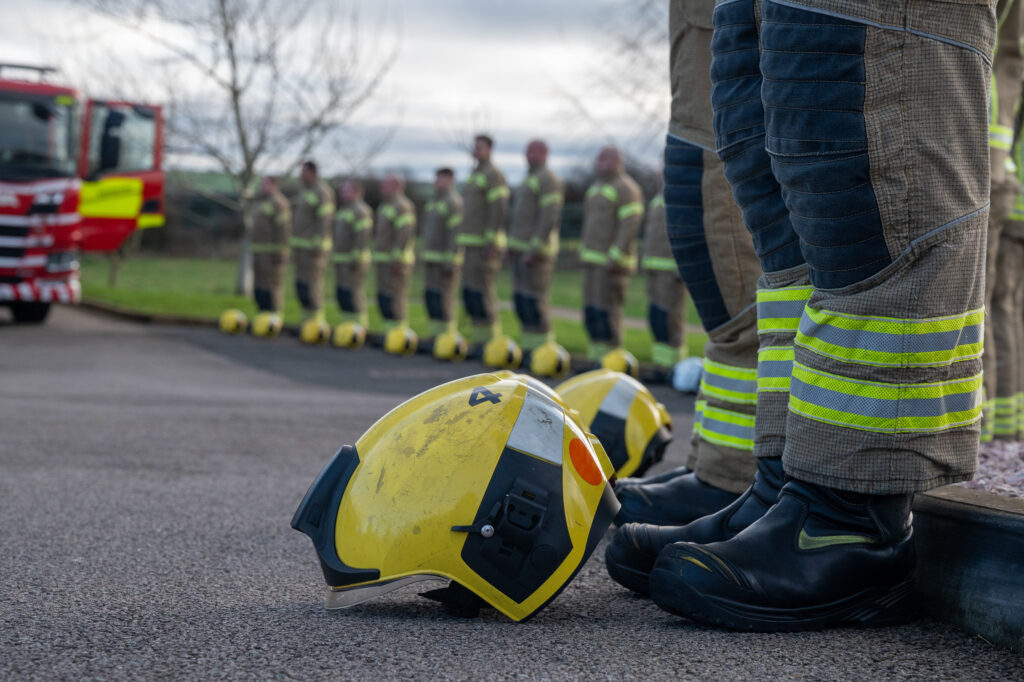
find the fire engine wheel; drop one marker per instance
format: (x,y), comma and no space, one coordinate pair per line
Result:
(31,313)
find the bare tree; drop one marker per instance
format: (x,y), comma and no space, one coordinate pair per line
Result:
(460,130)
(259,85)
(633,76)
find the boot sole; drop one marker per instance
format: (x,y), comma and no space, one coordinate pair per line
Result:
(876,607)
(629,577)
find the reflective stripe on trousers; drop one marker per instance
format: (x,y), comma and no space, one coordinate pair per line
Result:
(724,427)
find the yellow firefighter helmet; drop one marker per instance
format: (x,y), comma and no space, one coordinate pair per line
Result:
(631,424)
(233,321)
(621,360)
(266,325)
(401,340)
(501,352)
(485,482)
(315,331)
(450,346)
(350,335)
(550,360)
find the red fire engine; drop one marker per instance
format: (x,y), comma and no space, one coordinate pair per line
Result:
(75,175)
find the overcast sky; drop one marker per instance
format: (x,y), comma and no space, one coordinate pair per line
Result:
(504,65)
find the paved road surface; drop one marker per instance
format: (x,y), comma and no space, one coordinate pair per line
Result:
(147,477)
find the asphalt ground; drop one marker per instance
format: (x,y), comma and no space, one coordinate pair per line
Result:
(147,478)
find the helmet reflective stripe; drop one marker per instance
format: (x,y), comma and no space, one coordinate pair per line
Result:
(539,429)
(620,398)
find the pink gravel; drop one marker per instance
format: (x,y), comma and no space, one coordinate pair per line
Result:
(1000,469)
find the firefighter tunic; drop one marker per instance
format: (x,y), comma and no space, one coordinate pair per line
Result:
(353,224)
(536,220)
(394,256)
(271,230)
(612,213)
(311,242)
(483,237)
(442,258)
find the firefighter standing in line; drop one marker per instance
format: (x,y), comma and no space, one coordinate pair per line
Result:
(612,213)
(441,257)
(353,225)
(533,245)
(1000,410)
(1007,312)
(666,293)
(393,244)
(272,227)
(311,238)
(485,198)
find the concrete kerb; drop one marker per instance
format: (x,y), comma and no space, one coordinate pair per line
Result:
(970,543)
(970,568)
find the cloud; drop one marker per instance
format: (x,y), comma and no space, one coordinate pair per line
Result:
(462,64)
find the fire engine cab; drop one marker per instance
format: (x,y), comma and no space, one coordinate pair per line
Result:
(76,175)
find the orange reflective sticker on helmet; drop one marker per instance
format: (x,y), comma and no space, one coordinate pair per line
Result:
(585,463)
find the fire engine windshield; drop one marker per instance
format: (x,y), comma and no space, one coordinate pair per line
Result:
(36,137)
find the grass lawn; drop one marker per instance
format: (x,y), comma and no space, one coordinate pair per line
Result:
(204,288)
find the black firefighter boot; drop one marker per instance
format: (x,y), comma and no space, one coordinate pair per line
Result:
(635,547)
(818,558)
(672,503)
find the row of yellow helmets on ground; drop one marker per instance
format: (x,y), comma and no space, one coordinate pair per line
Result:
(501,352)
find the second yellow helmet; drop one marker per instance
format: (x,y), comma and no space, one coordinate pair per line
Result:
(632,425)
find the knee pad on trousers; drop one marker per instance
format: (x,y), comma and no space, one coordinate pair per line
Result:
(345,300)
(602,321)
(517,302)
(588,321)
(264,301)
(435,310)
(473,299)
(386,309)
(740,129)
(828,191)
(597,323)
(684,215)
(302,291)
(658,318)
(531,311)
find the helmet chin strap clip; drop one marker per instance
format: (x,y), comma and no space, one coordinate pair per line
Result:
(457,600)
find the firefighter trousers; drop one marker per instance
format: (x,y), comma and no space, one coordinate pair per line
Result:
(268,281)
(715,258)
(439,283)
(531,293)
(666,305)
(1008,68)
(310,265)
(392,289)
(835,168)
(1007,318)
(604,295)
(479,274)
(349,283)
